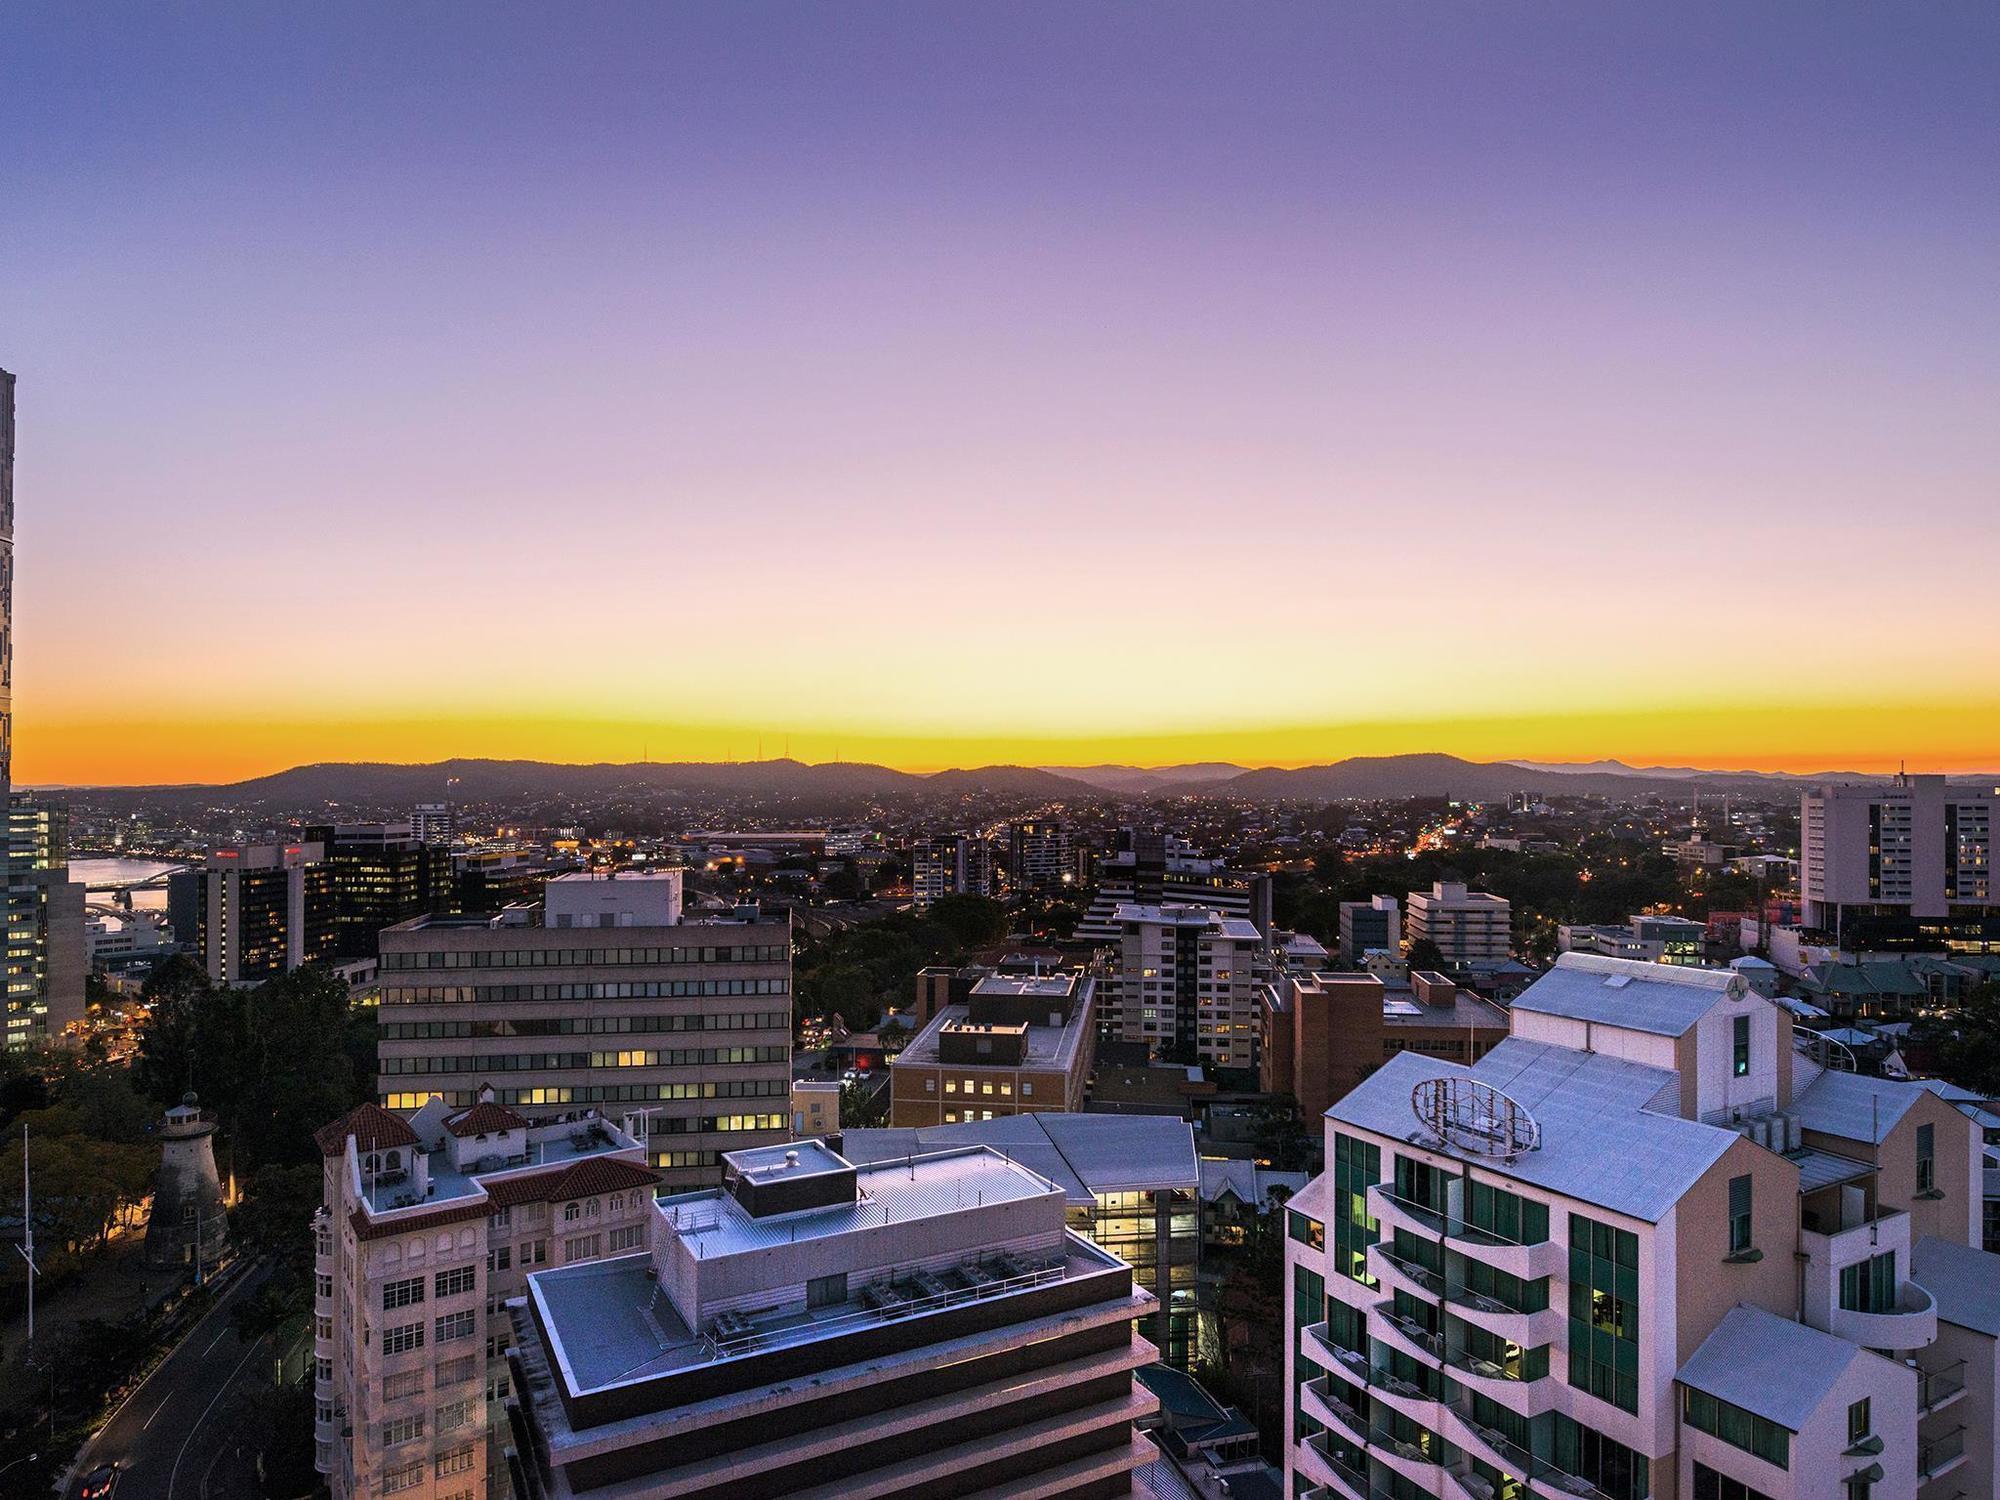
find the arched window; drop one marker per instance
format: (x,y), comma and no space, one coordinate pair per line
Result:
(572,1211)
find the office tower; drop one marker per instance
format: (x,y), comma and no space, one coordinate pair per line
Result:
(1185,982)
(262,910)
(430,823)
(1041,856)
(490,880)
(382,874)
(426,1227)
(1017,1044)
(1902,866)
(1649,1246)
(1131,1183)
(603,994)
(1371,926)
(923,1327)
(6,613)
(1467,926)
(952,864)
(47,949)
(1157,869)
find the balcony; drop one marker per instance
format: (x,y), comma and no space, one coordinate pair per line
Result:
(1912,1325)
(1486,1443)
(1396,1273)
(1317,1347)
(1937,1389)
(1938,1456)
(1384,1204)
(1407,1334)
(1528,1329)
(1345,1479)
(1330,1410)
(1529,1262)
(1463,1483)
(1408,1459)
(1518,1393)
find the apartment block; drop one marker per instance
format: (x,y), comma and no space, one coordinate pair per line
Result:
(1467,926)
(604,994)
(1158,869)
(1906,865)
(924,1327)
(262,910)
(1186,982)
(1649,1246)
(427,1227)
(1041,856)
(1018,1044)
(1371,926)
(45,929)
(954,864)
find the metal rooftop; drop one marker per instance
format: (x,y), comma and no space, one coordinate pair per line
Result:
(1854,1107)
(1083,1154)
(1963,1281)
(1666,999)
(1769,1366)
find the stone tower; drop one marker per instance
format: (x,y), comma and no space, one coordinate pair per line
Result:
(188,1227)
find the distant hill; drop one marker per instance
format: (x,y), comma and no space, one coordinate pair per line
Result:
(1143,781)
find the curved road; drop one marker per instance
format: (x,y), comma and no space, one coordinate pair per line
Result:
(181,1426)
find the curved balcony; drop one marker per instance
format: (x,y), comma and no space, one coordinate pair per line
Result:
(1913,1325)
(1529,1397)
(1392,1211)
(1405,1458)
(1461,1483)
(1314,1344)
(1488,1444)
(1412,1400)
(1398,1274)
(1528,1262)
(1322,1461)
(1528,1329)
(1330,1410)
(1406,1334)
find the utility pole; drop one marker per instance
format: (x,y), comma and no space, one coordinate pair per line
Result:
(27,1245)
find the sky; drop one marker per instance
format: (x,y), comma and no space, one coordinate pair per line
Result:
(962,384)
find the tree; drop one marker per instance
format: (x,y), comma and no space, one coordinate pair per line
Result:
(1425,954)
(971,920)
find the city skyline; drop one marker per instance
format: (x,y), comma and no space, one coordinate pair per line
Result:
(1061,387)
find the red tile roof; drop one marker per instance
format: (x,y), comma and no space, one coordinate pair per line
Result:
(373,1129)
(366,1228)
(582,1179)
(484,1118)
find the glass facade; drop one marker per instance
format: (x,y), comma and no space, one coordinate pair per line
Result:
(1755,1435)
(1604,1311)
(1357,1166)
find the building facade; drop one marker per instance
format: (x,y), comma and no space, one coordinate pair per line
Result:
(262,910)
(1647,1247)
(1041,856)
(47,945)
(1371,926)
(6,605)
(1186,982)
(1907,865)
(1017,1044)
(427,1227)
(1467,926)
(952,864)
(923,1327)
(1649,939)
(603,995)
(1158,869)
(383,873)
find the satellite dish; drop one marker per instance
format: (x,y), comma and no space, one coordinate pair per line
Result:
(1475,1117)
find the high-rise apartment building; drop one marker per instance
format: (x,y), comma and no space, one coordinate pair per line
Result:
(383,873)
(427,1227)
(604,994)
(1041,856)
(951,864)
(1371,926)
(1648,1247)
(1904,865)
(262,910)
(922,1327)
(1158,869)
(46,943)
(1467,926)
(1186,981)
(431,823)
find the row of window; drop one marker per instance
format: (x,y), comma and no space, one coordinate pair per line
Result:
(532,1062)
(410,1290)
(423,1031)
(659,989)
(570,958)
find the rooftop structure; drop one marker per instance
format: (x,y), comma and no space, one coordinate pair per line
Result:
(1015,1045)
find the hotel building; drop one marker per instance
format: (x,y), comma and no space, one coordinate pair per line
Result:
(923,1327)
(604,994)
(953,864)
(427,1226)
(1646,1247)
(1157,869)
(1907,865)
(262,910)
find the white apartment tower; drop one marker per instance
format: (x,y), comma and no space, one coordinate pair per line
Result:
(1903,865)
(1648,1248)
(952,864)
(1185,982)
(1467,926)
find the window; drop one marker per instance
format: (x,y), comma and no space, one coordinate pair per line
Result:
(1927,1158)
(827,1291)
(1506,1215)
(458,1325)
(409,1383)
(407,1477)
(1758,1436)
(534,1253)
(1027,1091)
(1604,1312)
(459,1461)
(500,1258)
(1858,1423)
(1741,1065)
(572,1212)
(402,1293)
(322,1285)
(1620,1472)
(1357,1166)
(402,1430)
(401,1339)
(583,1247)
(1307,1231)
(1869,1286)
(1709,1485)
(454,1415)
(628,1238)
(1739,1214)
(451,1283)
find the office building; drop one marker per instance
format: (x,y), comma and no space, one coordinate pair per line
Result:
(1649,1246)
(1324,1033)
(427,1227)
(262,910)
(952,864)
(604,994)
(1467,926)
(1904,865)
(1371,926)
(431,823)
(490,880)
(1131,1183)
(47,949)
(923,1327)
(382,874)
(1185,982)
(1019,1043)
(1041,856)
(1648,939)
(1158,869)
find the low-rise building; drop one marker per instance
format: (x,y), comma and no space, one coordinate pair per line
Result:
(815,1108)
(1649,939)
(1467,926)
(1018,1044)
(1374,925)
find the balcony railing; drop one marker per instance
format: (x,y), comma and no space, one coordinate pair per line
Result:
(1346,1415)
(1412,1330)
(1935,1454)
(1424,1213)
(1423,1276)
(1403,1448)
(1539,1471)
(1476,1364)
(1935,1387)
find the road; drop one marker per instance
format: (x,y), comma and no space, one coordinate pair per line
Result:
(178,1437)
